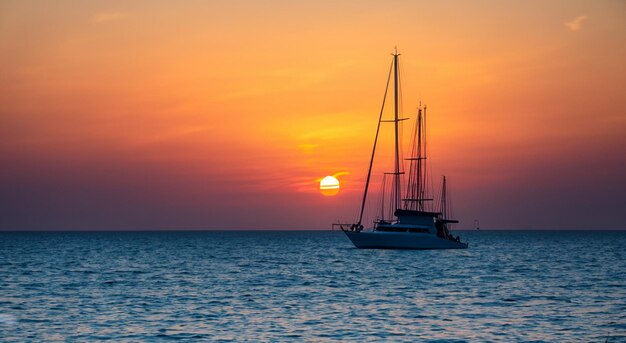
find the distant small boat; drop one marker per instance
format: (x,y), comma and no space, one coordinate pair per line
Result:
(414,225)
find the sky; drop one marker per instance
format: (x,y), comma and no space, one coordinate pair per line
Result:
(118,115)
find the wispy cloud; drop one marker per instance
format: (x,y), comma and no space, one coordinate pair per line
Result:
(107,16)
(576,23)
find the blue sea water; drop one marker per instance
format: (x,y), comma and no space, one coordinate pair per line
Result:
(541,286)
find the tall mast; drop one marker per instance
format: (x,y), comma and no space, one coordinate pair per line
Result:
(419,204)
(382,198)
(424,170)
(417,189)
(369,170)
(444,200)
(396,176)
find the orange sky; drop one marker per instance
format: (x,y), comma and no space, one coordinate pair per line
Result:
(189,115)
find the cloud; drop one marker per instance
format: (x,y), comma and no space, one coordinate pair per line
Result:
(341,173)
(576,23)
(105,17)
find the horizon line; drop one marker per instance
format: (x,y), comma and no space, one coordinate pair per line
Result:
(287,230)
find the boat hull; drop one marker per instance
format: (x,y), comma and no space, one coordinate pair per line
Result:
(401,240)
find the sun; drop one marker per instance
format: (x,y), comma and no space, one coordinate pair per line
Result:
(329,186)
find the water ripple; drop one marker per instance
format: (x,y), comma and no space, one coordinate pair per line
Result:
(310,286)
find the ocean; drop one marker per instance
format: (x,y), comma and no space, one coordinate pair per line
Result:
(312,286)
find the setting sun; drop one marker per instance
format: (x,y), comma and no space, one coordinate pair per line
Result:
(329,186)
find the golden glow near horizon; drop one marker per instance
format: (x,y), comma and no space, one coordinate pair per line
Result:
(179,107)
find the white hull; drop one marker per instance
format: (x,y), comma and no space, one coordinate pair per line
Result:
(401,240)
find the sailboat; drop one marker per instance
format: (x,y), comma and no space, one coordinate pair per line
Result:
(414,225)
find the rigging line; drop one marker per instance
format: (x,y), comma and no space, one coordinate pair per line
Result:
(415,163)
(408,191)
(396,187)
(431,180)
(381,210)
(424,168)
(429,176)
(444,210)
(400,99)
(410,185)
(418,170)
(439,207)
(369,171)
(449,202)
(401,133)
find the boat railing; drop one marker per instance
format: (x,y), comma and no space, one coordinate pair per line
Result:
(348,227)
